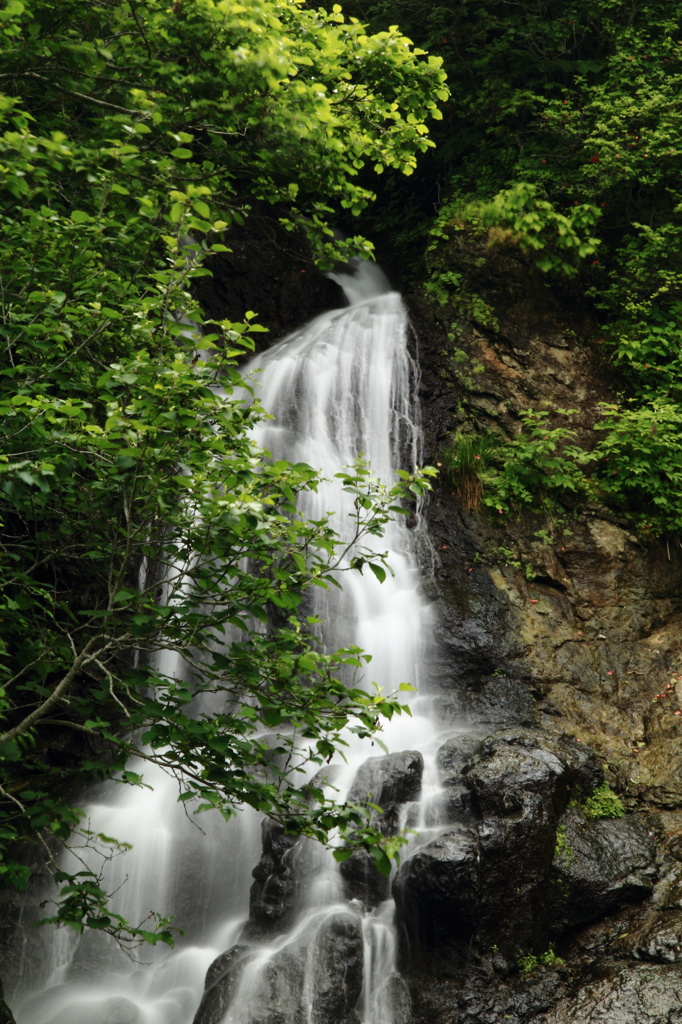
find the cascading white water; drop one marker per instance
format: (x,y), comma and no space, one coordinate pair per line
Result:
(340,388)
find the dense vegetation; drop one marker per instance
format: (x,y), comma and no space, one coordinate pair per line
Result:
(562,139)
(135,133)
(137,515)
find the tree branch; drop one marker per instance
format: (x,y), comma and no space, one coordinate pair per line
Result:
(84,96)
(62,687)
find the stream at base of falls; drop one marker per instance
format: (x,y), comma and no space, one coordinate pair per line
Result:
(342,387)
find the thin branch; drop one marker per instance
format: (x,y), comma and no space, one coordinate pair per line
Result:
(84,96)
(62,687)
(133,11)
(69,725)
(8,796)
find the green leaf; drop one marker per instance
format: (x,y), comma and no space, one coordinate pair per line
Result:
(378,571)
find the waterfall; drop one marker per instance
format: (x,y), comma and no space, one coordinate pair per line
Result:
(340,388)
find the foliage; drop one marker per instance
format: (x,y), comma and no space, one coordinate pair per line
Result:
(307,99)
(517,216)
(603,803)
(636,464)
(562,114)
(541,459)
(137,514)
(464,461)
(563,851)
(528,962)
(641,461)
(503,473)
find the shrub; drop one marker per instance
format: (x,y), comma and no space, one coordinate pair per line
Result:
(603,803)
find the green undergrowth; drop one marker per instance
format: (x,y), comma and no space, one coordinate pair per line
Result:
(634,464)
(560,148)
(603,803)
(563,851)
(529,962)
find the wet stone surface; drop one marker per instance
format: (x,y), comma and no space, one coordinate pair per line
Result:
(388,782)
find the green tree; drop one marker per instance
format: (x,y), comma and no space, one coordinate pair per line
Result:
(561,140)
(136,513)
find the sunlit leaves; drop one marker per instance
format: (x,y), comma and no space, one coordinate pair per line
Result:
(137,514)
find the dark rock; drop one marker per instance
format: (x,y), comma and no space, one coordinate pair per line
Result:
(453,804)
(456,806)
(628,995)
(662,943)
(362,881)
(454,757)
(274,893)
(389,782)
(509,779)
(437,891)
(270,271)
(489,884)
(222,980)
(602,865)
(337,971)
(275,996)
(521,782)
(272,993)
(6,1016)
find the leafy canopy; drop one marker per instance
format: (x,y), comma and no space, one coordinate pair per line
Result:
(136,513)
(562,140)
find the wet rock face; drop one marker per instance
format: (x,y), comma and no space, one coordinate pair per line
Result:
(222,980)
(270,271)
(600,866)
(389,782)
(437,891)
(492,883)
(626,995)
(579,609)
(317,979)
(452,760)
(662,942)
(6,1016)
(274,893)
(338,971)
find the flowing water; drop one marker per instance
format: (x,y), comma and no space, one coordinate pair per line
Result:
(342,387)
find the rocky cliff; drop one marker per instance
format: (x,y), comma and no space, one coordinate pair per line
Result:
(559,632)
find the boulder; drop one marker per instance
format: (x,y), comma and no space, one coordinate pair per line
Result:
(625,995)
(519,787)
(601,865)
(454,757)
(6,1016)
(222,980)
(437,891)
(488,880)
(274,893)
(274,995)
(662,943)
(389,782)
(514,771)
(263,987)
(452,760)
(315,979)
(337,971)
